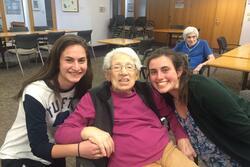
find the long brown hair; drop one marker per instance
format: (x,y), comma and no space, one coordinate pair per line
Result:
(180,62)
(49,72)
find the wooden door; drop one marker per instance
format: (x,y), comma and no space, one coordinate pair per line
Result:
(179,15)
(228,20)
(202,14)
(158,12)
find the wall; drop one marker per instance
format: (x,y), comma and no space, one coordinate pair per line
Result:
(129,8)
(40,14)
(14,17)
(89,17)
(141,8)
(245,35)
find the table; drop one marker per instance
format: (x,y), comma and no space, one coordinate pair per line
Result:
(119,41)
(13,34)
(170,31)
(242,51)
(233,63)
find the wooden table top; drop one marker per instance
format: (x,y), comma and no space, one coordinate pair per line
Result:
(169,30)
(239,52)
(12,34)
(232,63)
(119,41)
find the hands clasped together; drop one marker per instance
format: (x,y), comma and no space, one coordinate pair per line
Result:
(97,143)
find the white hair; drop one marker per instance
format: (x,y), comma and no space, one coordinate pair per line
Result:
(124,50)
(190,30)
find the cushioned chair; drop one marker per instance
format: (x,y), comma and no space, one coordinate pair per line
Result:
(86,35)
(52,37)
(25,45)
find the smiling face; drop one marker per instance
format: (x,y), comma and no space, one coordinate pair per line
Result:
(191,39)
(163,75)
(122,73)
(73,66)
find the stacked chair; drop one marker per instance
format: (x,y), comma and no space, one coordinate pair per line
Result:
(86,35)
(129,27)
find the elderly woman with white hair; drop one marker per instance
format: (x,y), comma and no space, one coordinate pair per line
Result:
(123,118)
(198,50)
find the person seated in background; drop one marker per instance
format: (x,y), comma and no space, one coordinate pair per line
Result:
(197,50)
(45,100)
(122,116)
(216,120)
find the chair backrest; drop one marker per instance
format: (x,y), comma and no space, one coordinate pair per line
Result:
(145,45)
(27,41)
(129,21)
(42,28)
(222,42)
(141,21)
(53,36)
(119,20)
(86,35)
(19,29)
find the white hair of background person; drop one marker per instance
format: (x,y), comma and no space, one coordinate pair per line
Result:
(190,30)
(124,50)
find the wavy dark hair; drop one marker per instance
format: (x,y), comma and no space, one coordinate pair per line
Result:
(180,62)
(49,72)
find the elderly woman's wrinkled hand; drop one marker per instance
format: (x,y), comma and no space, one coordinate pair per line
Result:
(197,69)
(100,138)
(90,150)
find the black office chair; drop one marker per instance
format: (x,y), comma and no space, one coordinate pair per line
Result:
(25,45)
(86,35)
(129,27)
(140,24)
(223,45)
(51,39)
(145,48)
(118,25)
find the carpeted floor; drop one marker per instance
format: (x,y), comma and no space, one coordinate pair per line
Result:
(11,80)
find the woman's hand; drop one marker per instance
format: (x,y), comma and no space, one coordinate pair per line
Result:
(100,138)
(90,150)
(186,148)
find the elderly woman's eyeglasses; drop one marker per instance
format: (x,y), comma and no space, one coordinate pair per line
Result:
(119,67)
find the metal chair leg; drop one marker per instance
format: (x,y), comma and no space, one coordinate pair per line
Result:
(19,62)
